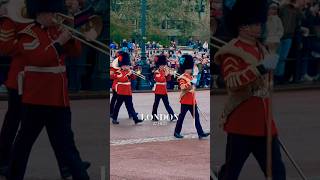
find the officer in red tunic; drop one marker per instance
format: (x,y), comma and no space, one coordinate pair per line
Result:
(161,76)
(43,85)
(113,76)
(246,68)
(187,98)
(123,88)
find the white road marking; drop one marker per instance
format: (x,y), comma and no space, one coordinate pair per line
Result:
(152,139)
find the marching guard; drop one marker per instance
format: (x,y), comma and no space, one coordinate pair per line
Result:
(187,97)
(123,76)
(113,76)
(246,67)
(43,85)
(161,76)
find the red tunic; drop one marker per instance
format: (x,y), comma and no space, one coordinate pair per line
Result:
(49,89)
(12,49)
(7,36)
(113,76)
(250,117)
(161,82)
(123,86)
(187,98)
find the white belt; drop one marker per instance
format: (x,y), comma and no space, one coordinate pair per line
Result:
(122,83)
(55,70)
(125,83)
(159,83)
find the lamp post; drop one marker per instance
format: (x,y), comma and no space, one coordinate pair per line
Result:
(143,84)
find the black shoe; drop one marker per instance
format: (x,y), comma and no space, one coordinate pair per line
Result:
(204,135)
(66,174)
(179,136)
(114,121)
(137,121)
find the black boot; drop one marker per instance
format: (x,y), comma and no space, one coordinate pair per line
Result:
(179,136)
(114,121)
(137,121)
(203,135)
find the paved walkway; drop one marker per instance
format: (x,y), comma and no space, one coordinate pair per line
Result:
(150,152)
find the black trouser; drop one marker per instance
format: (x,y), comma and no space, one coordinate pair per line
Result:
(239,148)
(57,121)
(10,126)
(165,101)
(113,102)
(184,109)
(129,105)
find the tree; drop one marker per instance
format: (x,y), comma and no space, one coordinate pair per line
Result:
(182,13)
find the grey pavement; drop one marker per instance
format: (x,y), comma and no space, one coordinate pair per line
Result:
(150,152)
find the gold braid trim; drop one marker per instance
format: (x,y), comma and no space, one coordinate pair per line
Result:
(236,96)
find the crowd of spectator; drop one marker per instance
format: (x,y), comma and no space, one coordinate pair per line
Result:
(173,52)
(293,27)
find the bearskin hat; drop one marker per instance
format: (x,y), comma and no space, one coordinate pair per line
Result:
(244,12)
(123,58)
(38,6)
(186,62)
(160,60)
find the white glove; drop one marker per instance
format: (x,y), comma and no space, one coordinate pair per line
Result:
(194,81)
(270,62)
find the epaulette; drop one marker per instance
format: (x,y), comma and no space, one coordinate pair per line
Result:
(6,34)
(28,31)
(231,49)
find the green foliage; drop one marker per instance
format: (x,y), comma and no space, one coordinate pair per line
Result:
(159,11)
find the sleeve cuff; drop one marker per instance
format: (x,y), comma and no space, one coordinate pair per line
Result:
(58,47)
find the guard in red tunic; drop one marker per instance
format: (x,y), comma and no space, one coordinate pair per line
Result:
(246,68)
(12,118)
(8,48)
(113,76)
(187,98)
(43,85)
(123,77)
(161,76)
